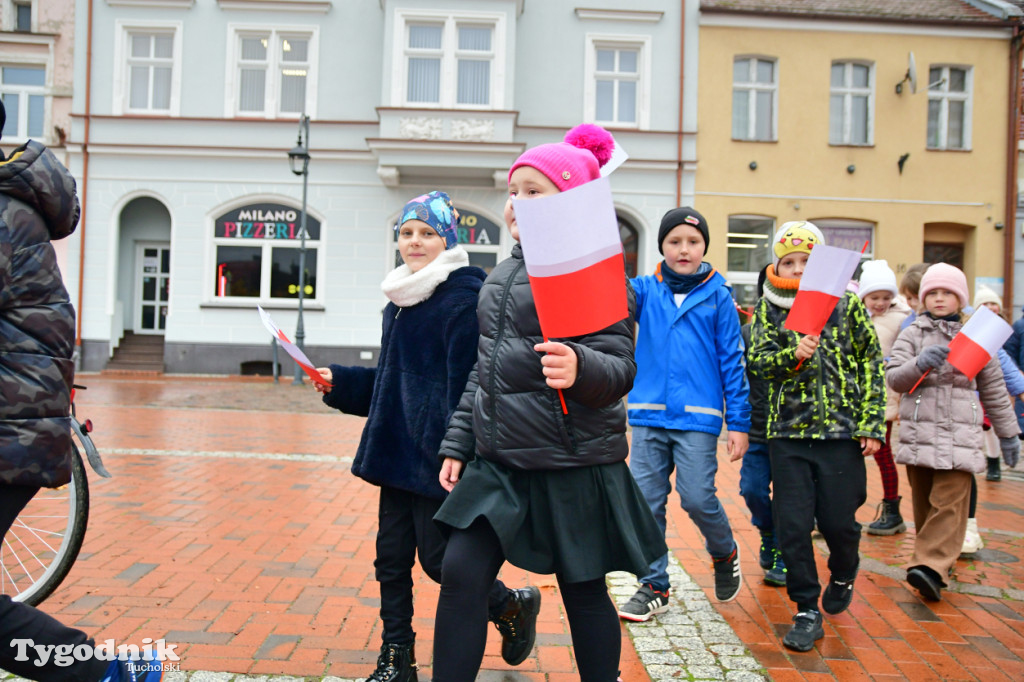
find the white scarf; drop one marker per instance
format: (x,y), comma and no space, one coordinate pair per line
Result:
(406,288)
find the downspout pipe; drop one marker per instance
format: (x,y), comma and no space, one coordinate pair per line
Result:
(1012,144)
(83,191)
(679,133)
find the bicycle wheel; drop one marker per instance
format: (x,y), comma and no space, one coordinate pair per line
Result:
(45,539)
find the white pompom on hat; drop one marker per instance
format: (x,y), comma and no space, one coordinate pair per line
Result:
(876,275)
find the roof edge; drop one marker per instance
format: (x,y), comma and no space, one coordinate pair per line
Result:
(874,19)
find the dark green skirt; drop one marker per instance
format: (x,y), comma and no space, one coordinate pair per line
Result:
(579,523)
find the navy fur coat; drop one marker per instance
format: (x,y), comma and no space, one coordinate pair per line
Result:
(427,352)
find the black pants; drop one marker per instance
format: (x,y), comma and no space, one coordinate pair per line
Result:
(21,621)
(471,563)
(406,526)
(823,480)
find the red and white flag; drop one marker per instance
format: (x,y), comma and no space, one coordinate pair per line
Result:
(978,341)
(829,270)
(290,348)
(573,256)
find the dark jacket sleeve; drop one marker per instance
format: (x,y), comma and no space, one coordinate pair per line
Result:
(461,336)
(772,356)
(606,364)
(459,441)
(351,390)
(864,342)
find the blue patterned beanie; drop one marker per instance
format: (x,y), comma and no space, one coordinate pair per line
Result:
(435,209)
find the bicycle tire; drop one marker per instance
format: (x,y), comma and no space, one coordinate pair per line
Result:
(71,541)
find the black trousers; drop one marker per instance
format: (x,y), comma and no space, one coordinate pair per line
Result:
(21,621)
(823,480)
(406,527)
(472,561)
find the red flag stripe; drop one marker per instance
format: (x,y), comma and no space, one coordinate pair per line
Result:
(967,356)
(810,311)
(558,299)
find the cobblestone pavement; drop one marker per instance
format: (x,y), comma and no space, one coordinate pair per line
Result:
(233,529)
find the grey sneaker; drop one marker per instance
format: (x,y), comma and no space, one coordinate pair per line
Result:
(645,603)
(805,632)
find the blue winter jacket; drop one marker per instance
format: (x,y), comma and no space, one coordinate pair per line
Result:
(426,354)
(689,359)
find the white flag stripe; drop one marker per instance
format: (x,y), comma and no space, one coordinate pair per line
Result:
(987,329)
(573,264)
(829,270)
(567,228)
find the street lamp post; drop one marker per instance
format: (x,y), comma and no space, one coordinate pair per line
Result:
(298,160)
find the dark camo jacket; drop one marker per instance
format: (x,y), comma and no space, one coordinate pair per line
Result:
(837,393)
(37,322)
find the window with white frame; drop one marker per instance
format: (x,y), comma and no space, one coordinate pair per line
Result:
(21,15)
(150,67)
(272,72)
(23,89)
(618,77)
(851,104)
(447,60)
(754,98)
(148,77)
(257,252)
(949,107)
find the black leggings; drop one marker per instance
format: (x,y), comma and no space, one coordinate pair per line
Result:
(471,563)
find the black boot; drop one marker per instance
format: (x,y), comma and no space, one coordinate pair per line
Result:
(889,521)
(994,474)
(396,663)
(518,625)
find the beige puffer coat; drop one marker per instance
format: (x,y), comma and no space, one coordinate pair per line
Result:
(887,326)
(940,422)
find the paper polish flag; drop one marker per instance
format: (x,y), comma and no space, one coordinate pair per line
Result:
(829,269)
(291,348)
(573,256)
(978,341)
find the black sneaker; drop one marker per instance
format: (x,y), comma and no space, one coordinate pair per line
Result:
(775,575)
(518,625)
(805,632)
(645,603)
(396,663)
(837,596)
(766,556)
(926,581)
(728,578)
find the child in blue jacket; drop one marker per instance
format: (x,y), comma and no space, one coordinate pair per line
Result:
(690,378)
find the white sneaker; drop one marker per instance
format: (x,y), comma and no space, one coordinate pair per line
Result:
(972,539)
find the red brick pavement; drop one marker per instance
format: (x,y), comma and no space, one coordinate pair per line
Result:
(265,565)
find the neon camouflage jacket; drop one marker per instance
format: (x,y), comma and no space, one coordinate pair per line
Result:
(839,392)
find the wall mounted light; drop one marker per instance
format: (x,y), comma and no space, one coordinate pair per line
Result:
(902,160)
(850,169)
(753,165)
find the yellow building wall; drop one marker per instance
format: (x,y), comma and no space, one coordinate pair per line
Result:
(802,177)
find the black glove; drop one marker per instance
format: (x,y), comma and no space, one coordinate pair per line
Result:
(1011,450)
(932,357)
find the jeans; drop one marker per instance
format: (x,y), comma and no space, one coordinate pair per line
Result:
(756,486)
(19,620)
(694,455)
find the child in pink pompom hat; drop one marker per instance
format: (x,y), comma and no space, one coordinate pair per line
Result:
(547,492)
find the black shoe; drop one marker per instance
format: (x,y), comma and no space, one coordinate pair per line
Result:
(776,573)
(396,663)
(518,625)
(837,596)
(766,557)
(994,473)
(889,521)
(926,581)
(728,579)
(805,632)
(645,603)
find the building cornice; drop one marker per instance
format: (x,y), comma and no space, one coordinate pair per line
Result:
(619,14)
(825,24)
(311,6)
(162,4)
(27,38)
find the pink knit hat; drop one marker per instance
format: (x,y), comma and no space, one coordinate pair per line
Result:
(945,276)
(575,161)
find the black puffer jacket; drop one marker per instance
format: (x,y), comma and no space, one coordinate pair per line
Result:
(509,415)
(37,323)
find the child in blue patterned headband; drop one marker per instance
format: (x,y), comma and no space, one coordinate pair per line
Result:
(435,209)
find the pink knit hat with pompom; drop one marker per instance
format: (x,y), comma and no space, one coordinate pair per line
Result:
(575,161)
